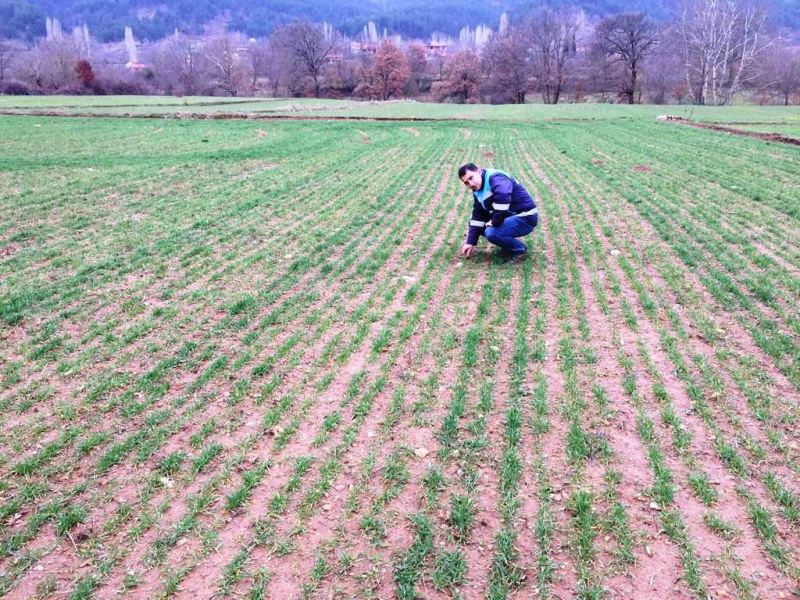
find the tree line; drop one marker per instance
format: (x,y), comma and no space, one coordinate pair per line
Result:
(709,52)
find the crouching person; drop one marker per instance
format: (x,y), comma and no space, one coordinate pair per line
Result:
(502,210)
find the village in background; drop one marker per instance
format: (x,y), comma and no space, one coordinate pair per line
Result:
(710,52)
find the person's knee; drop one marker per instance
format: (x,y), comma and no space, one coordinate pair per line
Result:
(492,234)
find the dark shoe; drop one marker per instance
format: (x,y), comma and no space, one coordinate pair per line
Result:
(505,255)
(515,258)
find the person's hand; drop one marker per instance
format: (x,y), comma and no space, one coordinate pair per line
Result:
(467,250)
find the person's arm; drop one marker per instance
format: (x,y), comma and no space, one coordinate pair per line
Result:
(502,187)
(477,223)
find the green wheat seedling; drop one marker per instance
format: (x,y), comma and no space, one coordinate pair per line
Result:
(449,571)
(720,526)
(788,500)
(584,521)
(462,516)
(407,568)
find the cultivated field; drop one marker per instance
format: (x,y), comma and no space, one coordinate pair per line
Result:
(243,359)
(747,117)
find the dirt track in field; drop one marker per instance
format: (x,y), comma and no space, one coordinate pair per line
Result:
(723,128)
(221,116)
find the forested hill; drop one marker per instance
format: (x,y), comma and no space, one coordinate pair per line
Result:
(153,19)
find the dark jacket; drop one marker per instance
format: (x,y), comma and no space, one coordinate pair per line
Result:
(507,198)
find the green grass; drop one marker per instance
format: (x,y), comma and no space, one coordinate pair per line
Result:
(70,518)
(462,516)
(720,526)
(407,569)
(703,489)
(449,570)
(784,117)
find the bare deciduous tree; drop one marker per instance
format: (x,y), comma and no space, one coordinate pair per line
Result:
(8,52)
(419,75)
(602,75)
(663,72)
(722,39)
(387,75)
(275,69)
(306,47)
(553,43)
(579,83)
(506,58)
(179,64)
(226,58)
(462,79)
(626,39)
(781,72)
(256,58)
(343,76)
(50,64)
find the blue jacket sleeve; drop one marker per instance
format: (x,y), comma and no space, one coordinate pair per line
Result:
(502,187)
(477,223)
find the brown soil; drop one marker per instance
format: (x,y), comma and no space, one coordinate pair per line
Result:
(208,317)
(481,547)
(332,524)
(641,235)
(320,525)
(10,249)
(552,449)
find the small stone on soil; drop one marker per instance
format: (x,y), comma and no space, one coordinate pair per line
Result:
(421,452)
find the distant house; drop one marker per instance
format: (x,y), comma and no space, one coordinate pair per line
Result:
(334,57)
(115,55)
(436,48)
(363,47)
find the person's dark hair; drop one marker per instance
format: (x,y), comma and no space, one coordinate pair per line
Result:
(467,167)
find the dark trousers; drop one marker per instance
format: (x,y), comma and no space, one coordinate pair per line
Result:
(512,228)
